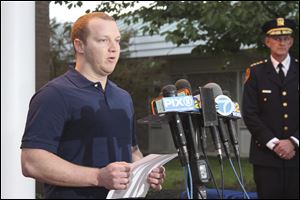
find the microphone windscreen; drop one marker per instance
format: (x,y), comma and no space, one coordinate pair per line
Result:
(183,84)
(226,93)
(169,90)
(217,90)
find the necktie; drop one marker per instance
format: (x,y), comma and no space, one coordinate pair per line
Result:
(281,74)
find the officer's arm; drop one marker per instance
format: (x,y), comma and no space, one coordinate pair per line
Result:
(250,111)
(294,141)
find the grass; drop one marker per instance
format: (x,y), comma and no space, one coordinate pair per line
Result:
(175,177)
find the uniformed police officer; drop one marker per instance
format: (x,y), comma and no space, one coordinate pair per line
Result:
(271,113)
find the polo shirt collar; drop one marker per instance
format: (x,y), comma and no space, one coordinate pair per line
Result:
(80,81)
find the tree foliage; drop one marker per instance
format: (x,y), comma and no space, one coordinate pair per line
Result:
(61,50)
(225,26)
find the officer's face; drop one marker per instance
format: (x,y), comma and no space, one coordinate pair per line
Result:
(279,44)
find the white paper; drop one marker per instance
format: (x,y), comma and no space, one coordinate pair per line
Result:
(138,185)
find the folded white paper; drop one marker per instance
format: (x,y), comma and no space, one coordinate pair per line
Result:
(138,185)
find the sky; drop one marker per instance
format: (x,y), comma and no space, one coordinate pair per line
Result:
(63,14)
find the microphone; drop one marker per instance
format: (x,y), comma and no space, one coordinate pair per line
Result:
(222,107)
(176,127)
(192,137)
(216,140)
(234,114)
(232,129)
(226,93)
(188,124)
(199,167)
(213,129)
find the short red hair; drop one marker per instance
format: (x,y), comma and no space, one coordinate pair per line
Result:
(80,29)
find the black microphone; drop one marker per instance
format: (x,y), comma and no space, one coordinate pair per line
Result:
(232,130)
(230,122)
(176,127)
(188,123)
(226,93)
(216,140)
(214,131)
(221,127)
(199,167)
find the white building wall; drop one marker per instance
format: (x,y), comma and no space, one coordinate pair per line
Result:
(149,46)
(17,87)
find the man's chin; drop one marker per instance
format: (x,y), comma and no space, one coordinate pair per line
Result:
(108,72)
(282,53)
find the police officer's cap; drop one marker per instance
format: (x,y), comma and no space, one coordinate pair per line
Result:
(279,26)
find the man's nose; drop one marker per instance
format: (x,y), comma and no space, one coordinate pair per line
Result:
(113,46)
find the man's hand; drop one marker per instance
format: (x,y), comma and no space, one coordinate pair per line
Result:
(115,176)
(157,177)
(285,149)
(290,155)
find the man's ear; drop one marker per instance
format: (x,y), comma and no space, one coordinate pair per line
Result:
(266,41)
(79,46)
(291,42)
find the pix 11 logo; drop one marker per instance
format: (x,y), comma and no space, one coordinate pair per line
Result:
(178,104)
(224,105)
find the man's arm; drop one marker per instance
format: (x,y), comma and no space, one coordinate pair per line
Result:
(251,110)
(47,167)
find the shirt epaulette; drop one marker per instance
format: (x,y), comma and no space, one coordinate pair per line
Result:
(257,63)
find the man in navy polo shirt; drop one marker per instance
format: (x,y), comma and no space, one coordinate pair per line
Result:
(80,131)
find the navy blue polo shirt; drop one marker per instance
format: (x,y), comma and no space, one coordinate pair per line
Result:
(75,119)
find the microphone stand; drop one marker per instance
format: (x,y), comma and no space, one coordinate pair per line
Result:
(199,170)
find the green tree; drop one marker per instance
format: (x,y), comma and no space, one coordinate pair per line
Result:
(61,50)
(226,26)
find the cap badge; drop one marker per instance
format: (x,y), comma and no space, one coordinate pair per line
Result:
(280,21)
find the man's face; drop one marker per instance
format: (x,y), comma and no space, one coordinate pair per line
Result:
(102,48)
(279,45)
